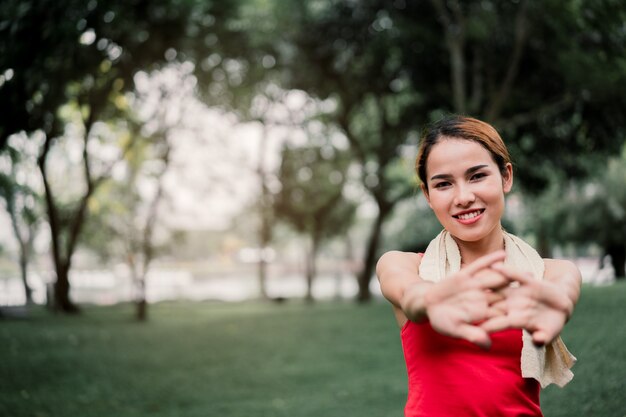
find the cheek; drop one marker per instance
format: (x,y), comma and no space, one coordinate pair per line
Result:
(496,197)
(492,190)
(439,202)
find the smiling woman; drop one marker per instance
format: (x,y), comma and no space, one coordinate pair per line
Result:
(467,197)
(474,344)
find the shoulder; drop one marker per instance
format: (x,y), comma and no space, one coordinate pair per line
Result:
(559,267)
(395,254)
(394,257)
(394,261)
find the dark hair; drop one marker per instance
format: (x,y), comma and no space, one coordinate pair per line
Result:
(464,128)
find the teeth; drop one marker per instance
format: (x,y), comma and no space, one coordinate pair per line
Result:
(468,216)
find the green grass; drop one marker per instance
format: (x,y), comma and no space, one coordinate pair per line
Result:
(255,359)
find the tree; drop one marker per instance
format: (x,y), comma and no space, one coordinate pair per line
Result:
(529,69)
(260,110)
(592,212)
(392,67)
(311,198)
(86,54)
(334,55)
(126,213)
(281,114)
(122,223)
(22,201)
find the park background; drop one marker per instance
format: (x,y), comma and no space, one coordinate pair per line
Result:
(195,193)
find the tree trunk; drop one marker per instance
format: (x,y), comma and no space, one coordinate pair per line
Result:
(25,245)
(142,310)
(62,300)
(265,236)
(265,228)
(141,303)
(311,269)
(262,276)
(28,292)
(371,256)
(618,259)
(457,68)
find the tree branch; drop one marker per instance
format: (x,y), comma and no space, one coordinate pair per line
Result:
(521,35)
(477,81)
(355,144)
(147,245)
(51,208)
(522,119)
(455,39)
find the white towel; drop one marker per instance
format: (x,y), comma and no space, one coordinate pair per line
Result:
(547,364)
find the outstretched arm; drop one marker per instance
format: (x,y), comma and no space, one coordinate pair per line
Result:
(452,305)
(398,271)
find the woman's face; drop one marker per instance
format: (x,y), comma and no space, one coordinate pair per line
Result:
(465,188)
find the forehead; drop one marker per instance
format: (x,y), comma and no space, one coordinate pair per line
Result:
(449,156)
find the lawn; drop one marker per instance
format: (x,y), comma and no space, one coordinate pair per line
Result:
(329,359)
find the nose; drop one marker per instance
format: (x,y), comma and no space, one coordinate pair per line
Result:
(464,196)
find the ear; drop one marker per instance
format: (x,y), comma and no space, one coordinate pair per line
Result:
(507,179)
(425,192)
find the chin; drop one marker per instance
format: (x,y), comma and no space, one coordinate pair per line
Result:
(468,237)
(467,234)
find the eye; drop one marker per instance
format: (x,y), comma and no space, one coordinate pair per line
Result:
(478,176)
(442,184)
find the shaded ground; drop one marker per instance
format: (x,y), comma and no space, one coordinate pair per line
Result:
(252,359)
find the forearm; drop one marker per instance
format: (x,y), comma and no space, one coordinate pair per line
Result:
(400,282)
(569,285)
(415,300)
(567,280)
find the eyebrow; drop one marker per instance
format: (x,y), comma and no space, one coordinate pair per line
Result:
(467,172)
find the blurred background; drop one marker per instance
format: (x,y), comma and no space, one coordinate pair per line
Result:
(242,149)
(263,150)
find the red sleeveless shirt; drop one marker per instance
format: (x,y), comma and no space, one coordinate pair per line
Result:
(451,377)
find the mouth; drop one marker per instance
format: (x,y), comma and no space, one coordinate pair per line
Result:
(468,214)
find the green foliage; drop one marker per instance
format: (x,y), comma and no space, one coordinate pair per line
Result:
(543,73)
(526,67)
(57,50)
(595,212)
(412,227)
(119,213)
(200,359)
(110,230)
(311,197)
(19,192)
(82,57)
(591,212)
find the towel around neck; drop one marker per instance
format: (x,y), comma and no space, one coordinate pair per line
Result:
(547,364)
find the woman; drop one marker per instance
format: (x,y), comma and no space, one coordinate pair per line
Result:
(480,311)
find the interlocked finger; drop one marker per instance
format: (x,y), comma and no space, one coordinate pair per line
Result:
(496,323)
(485,262)
(491,280)
(495,312)
(494,297)
(515,275)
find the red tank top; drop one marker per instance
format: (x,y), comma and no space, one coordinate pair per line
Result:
(451,377)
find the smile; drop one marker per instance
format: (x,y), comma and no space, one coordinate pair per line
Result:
(469,216)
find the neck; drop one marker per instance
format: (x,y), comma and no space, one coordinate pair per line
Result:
(470,251)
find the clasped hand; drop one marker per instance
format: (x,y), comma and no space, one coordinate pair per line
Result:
(487,296)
